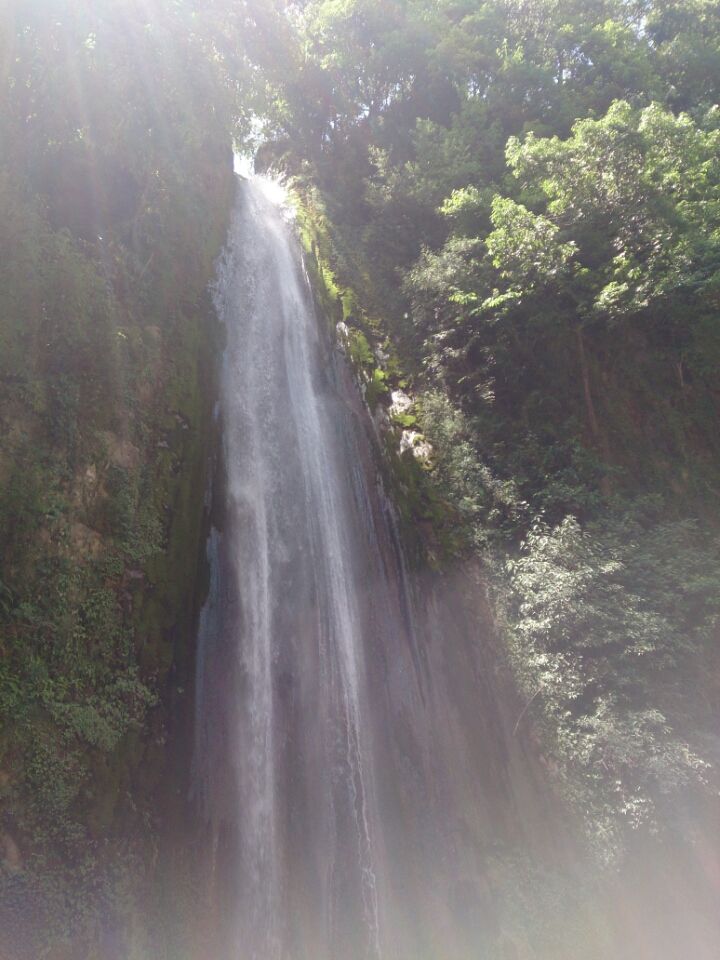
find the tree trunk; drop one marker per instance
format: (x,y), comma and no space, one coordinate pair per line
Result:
(589,405)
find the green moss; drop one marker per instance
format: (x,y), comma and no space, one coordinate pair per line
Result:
(102,481)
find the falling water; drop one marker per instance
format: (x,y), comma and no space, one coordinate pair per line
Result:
(304,788)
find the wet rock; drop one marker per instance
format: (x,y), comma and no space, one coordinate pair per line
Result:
(122,453)
(381,419)
(415,442)
(401,403)
(343,335)
(85,541)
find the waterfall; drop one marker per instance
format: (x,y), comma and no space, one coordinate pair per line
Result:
(290,617)
(352,758)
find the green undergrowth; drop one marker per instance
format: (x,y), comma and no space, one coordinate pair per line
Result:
(106,393)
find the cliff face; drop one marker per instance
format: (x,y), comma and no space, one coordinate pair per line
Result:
(108,346)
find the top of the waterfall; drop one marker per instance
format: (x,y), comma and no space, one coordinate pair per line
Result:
(275,190)
(243,165)
(276,194)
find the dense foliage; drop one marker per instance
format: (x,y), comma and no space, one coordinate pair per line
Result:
(115,182)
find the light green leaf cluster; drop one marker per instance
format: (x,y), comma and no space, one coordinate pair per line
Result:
(603,625)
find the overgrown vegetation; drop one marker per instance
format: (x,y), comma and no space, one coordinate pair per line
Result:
(115,187)
(609,628)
